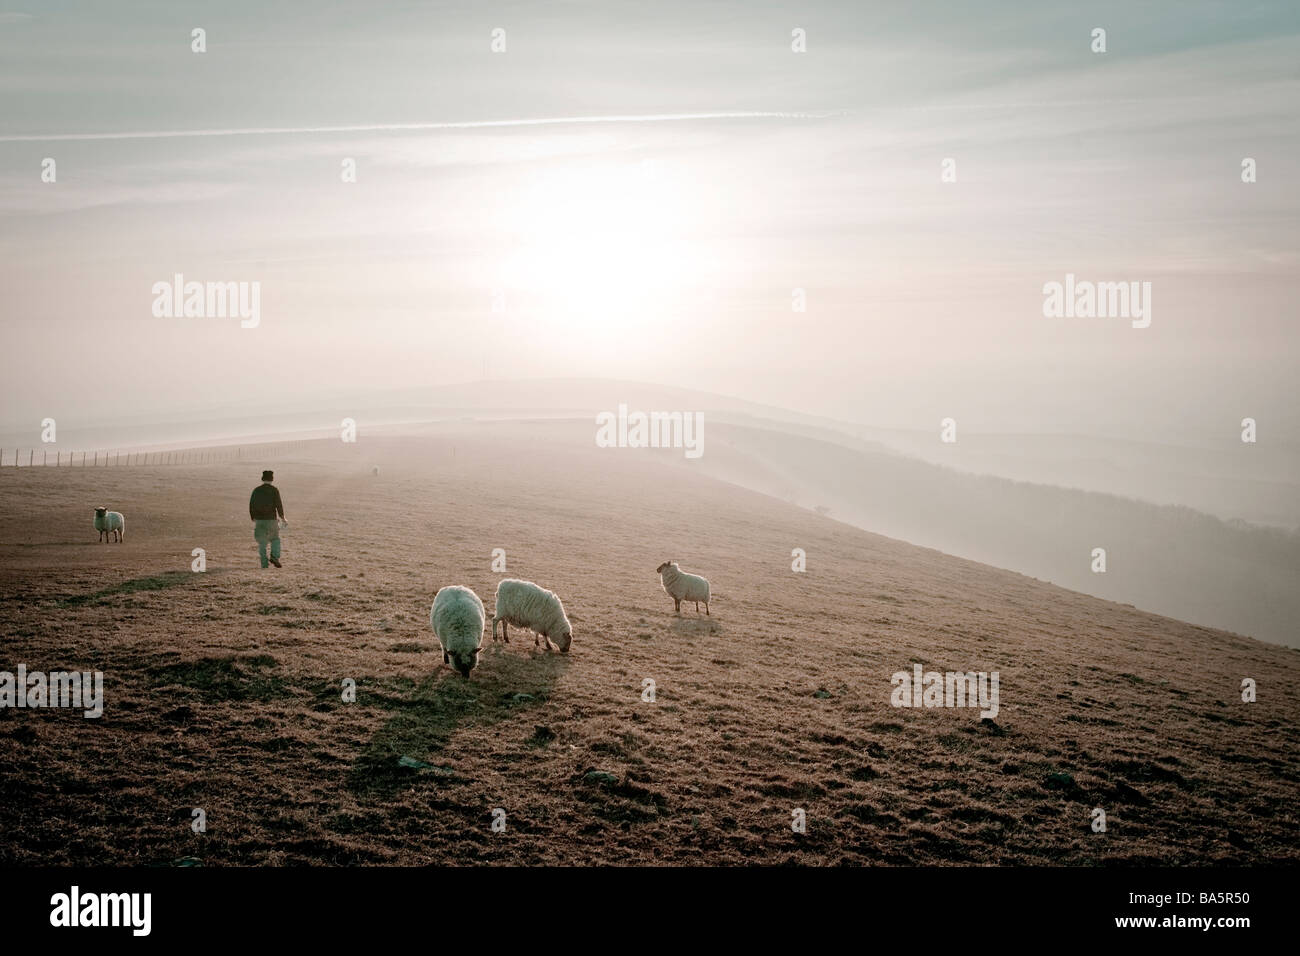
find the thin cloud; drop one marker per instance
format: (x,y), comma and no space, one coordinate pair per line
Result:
(403,127)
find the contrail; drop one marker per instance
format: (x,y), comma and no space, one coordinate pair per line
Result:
(403,127)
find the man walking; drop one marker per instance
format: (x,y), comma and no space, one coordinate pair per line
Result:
(264,508)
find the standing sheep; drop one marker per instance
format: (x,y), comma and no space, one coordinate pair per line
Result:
(681,586)
(524,604)
(110,523)
(458,619)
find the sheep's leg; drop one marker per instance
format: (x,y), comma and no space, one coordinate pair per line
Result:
(697,607)
(706,608)
(505,632)
(677,605)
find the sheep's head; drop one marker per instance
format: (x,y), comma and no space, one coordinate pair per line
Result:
(663,567)
(464,661)
(564,640)
(100,512)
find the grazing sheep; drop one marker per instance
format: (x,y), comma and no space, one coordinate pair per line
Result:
(110,523)
(524,604)
(457,619)
(681,586)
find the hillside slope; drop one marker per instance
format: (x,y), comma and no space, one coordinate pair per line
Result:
(1171,560)
(223,688)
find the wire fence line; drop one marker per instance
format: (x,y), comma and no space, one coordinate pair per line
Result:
(57,458)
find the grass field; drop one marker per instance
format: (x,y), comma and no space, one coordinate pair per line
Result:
(223,688)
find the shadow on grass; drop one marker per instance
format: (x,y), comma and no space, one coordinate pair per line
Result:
(234,677)
(52,544)
(428,713)
(157,582)
(692,626)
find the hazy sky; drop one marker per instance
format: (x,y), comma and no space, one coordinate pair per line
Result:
(662,250)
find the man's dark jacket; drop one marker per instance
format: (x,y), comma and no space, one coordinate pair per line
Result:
(264,503)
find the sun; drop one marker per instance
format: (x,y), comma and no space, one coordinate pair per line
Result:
(599,246)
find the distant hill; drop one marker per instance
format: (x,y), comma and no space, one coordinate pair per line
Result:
(1168,559)
(1169,517)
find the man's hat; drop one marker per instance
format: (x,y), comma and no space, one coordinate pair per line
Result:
(268,476)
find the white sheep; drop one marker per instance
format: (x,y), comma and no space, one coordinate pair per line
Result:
(458,619)
(110,523)
(524,604)
(681,586)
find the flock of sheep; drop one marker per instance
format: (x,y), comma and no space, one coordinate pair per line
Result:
(458,618)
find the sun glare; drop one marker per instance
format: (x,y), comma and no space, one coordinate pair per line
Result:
(599,246)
